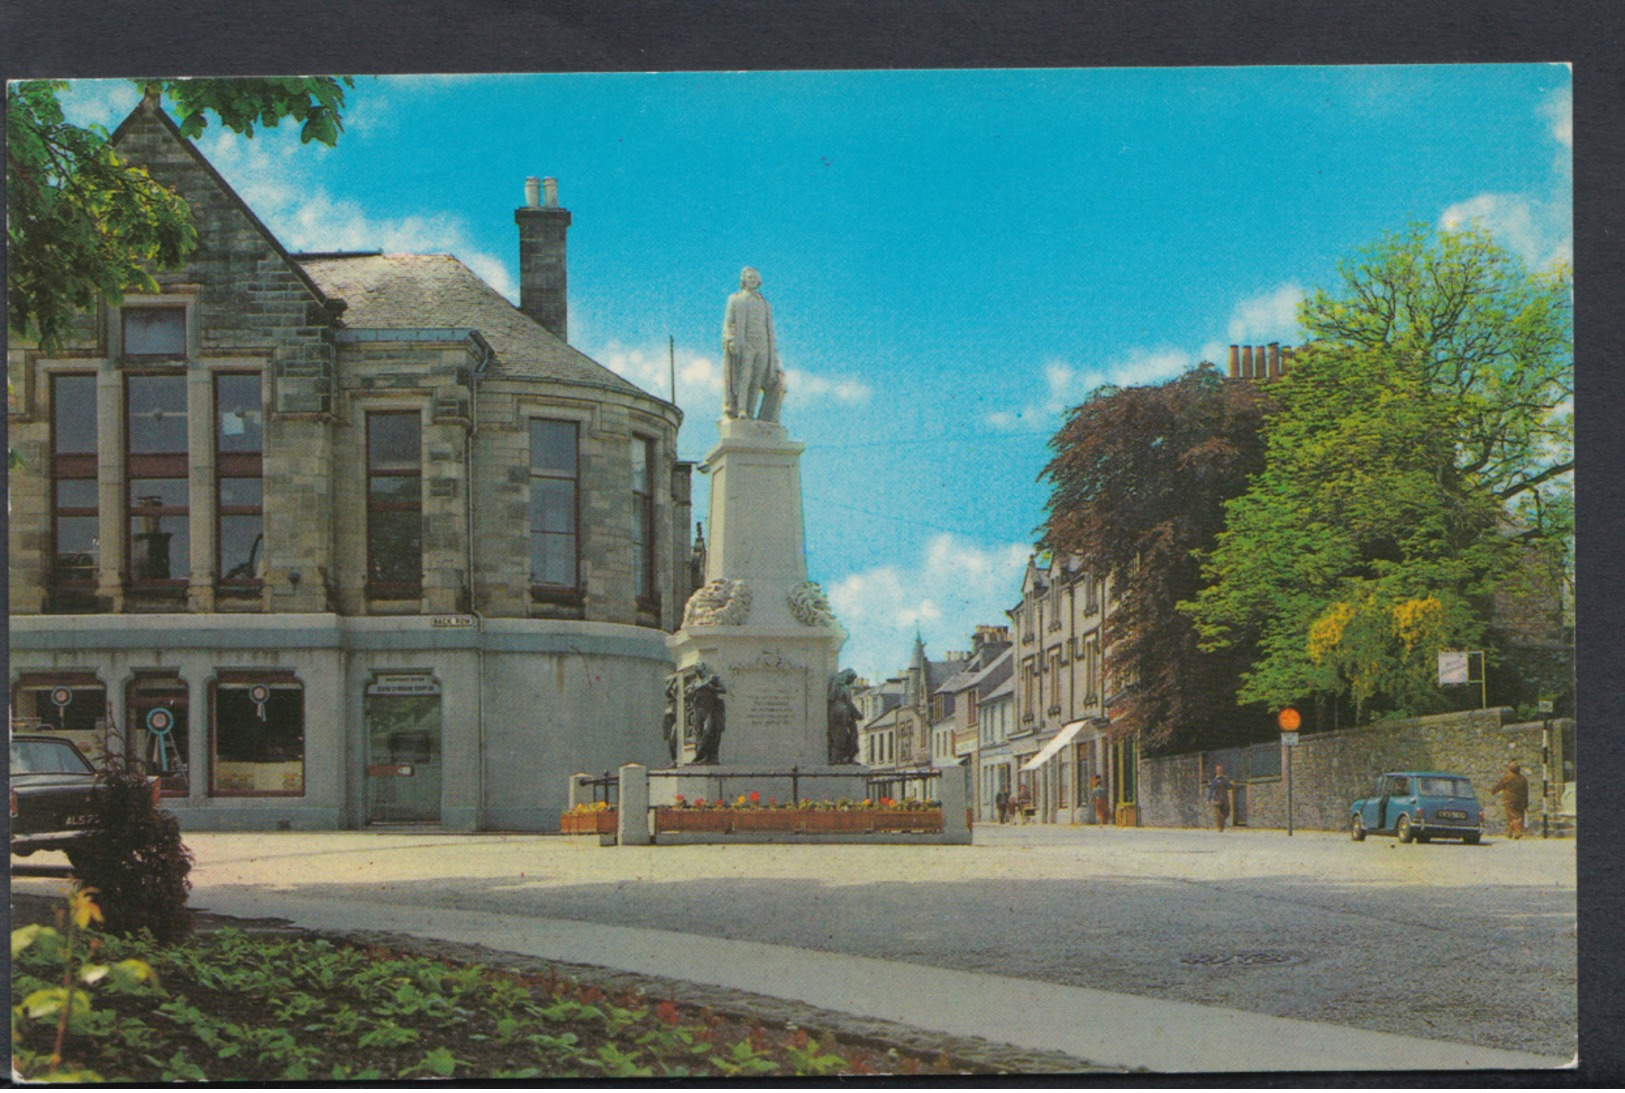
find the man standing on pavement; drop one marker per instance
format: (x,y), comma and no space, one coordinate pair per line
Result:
(1001,801)
(1514,790)
(1218,796)
(1102,809)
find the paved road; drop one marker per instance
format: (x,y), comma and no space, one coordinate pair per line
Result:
(1445,942)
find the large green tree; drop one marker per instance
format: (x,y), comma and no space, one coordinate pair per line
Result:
(83,224)
(1418,464)
(1138,484)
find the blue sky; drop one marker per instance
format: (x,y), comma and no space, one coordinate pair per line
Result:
(953,257)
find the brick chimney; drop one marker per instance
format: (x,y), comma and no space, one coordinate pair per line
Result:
(543,273)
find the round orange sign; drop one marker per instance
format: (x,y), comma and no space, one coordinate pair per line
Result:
(1289,720)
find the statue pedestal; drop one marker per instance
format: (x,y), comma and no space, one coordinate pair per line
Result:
(758,624)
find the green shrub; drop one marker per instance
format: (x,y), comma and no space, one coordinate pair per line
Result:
(135,858)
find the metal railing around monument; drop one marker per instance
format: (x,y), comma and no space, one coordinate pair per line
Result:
(895,779)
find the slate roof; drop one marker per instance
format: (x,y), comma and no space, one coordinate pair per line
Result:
(1001,667)
(938,672)
(417,291)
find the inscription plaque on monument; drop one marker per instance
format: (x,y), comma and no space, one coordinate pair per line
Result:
(769,694)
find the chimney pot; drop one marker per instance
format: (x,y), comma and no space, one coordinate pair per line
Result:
(1275,360)
(533,192)
(1235,362)
(1247,371)
(551,187)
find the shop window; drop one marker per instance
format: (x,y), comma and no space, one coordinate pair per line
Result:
(156,479)
(553,503)
(155,333)
(257,746)
(156,739)
(75,523)
(238,461)
(395,502)
(643,518)
(73,705)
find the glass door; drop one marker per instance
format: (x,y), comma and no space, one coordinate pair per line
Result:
(403,758)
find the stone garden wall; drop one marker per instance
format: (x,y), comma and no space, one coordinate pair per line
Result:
(1330,770)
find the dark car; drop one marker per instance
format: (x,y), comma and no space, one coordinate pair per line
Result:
(53,794)
(1420,805)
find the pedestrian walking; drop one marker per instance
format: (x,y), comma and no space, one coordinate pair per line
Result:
(1001,802)
(1514,790)
(1098,794)
(1218,796)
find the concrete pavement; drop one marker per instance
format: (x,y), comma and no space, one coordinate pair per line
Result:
(1011,940)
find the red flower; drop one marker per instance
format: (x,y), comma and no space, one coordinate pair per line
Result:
(755,798)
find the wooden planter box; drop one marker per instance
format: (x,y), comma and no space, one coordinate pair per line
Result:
(587,823)
(692,819)
(769,819)
(818,822)
(927,820)
(805,821)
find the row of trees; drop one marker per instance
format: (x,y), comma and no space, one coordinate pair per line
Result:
(1317,540)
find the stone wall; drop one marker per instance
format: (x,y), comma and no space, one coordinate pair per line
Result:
(1330,770)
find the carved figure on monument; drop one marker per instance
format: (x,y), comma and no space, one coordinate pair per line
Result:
(810,606)
(750,354)
(720,603)
(843,718)
(674,688)
(705,703)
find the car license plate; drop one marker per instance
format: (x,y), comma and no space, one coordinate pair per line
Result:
(1451,814)
(80,819)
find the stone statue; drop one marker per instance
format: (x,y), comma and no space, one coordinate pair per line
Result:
(705,703)
(750,355)
(843,718)
(674,687)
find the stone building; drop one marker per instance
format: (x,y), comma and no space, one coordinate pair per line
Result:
(984,668)
(345,538)
(995,716)
(1059,739)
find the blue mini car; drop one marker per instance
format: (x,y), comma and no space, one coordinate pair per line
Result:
(1420,805)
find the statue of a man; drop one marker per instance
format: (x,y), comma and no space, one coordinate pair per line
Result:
(750,354)
(674,687)
(704,693)
(843,718)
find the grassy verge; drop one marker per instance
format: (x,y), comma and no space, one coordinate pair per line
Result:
(230,1006)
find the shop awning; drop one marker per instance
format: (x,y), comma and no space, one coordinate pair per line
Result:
(1062,739)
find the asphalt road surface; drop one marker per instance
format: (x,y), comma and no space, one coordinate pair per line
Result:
(1443,941)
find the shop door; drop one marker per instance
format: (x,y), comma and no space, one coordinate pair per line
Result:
(403,757)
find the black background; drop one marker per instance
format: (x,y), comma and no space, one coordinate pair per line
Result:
(247,37)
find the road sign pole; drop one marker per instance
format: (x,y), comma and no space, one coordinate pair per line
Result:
(1288,793)
(1288,721)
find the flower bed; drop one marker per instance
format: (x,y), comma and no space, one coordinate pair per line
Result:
(747,815)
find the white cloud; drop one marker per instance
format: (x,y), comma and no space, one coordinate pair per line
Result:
(1065,385)
(1558,110)
(1268,317)
(272,174)
(955,586)
(1538,231)
(800,385)
(99,102)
